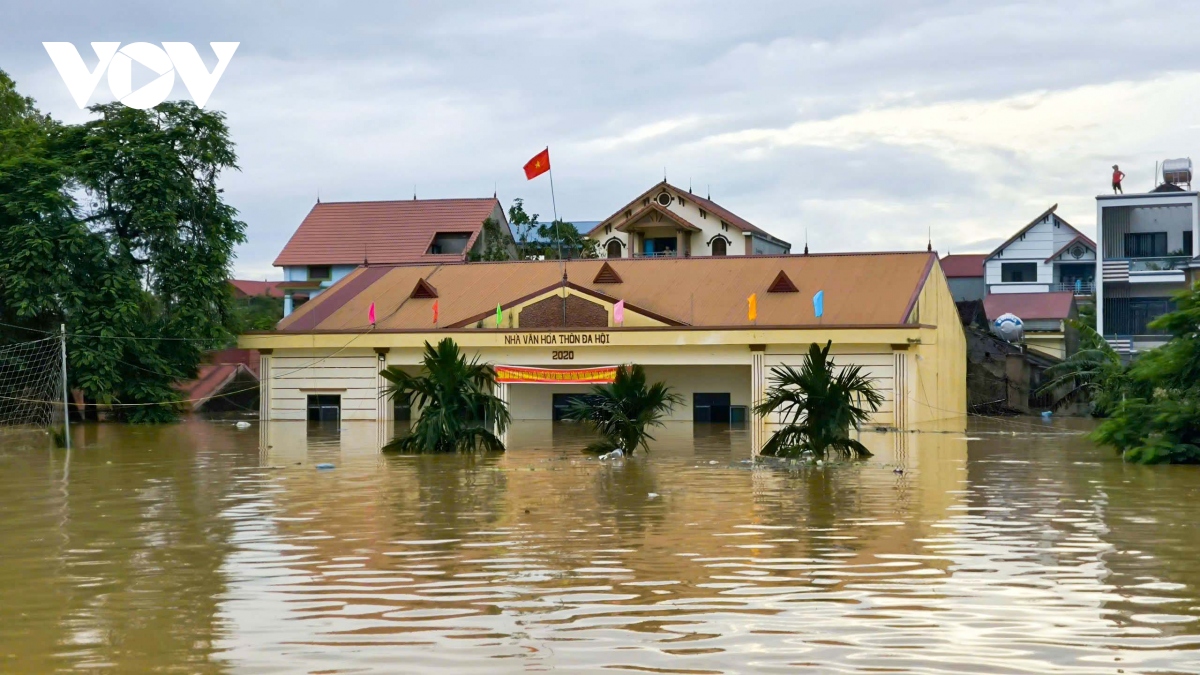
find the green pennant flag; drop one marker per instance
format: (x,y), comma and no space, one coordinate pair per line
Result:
(499,315)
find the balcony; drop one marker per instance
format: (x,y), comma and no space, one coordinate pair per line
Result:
(1160,264)
(1080,288)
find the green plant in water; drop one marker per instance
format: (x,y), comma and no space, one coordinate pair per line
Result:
(1159,419)
(1094,374)
(622,411)
(456,402)
(817,404)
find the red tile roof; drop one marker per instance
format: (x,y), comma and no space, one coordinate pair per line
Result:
(964,265)
(255,288)
(707,204)
(1029,306)
(386,232)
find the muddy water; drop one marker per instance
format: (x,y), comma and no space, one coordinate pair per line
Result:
(189,549)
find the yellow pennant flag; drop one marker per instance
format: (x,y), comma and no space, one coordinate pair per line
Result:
(753,300)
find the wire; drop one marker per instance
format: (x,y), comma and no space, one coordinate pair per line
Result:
(113,337)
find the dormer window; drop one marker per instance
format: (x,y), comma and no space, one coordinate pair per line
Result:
(449,243)
(320,273)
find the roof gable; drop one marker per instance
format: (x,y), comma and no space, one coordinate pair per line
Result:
(729,217)
(1050,212)
(1079,239)
(963,265)
(384,232)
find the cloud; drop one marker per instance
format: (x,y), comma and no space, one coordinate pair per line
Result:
(867,124)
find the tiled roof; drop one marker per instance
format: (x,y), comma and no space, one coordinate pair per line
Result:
(387,232)
(860,290)
(707,204)
(256,288)
(1048,212)
(964,265)
(1029,306)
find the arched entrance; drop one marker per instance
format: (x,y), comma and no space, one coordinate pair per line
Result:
(718,246)
(614,248)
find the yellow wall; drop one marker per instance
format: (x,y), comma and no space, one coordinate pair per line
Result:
(938,365)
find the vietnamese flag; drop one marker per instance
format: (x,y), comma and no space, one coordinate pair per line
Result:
(539,165)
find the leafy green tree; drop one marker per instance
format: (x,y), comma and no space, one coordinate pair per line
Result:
(257,312)
(622,411)
(574,243)
(1159,419)
(524,226)
(818,404)
(1094,374)
(117,228)
(495,243)
(456,402)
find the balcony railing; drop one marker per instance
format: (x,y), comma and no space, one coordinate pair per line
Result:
(1080,288)
(1161,264)
(659,254)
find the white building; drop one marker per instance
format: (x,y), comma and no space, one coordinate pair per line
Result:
(1047,255)
(1148,254)
(667,221)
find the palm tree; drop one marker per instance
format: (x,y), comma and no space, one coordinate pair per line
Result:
(1093,373)
(817,405)
(622,411)
(456,402)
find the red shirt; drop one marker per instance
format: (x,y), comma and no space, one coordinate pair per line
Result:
(1117,176)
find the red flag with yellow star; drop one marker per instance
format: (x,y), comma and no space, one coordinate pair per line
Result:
(539,165)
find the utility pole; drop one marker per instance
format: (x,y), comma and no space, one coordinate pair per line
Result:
(66,390)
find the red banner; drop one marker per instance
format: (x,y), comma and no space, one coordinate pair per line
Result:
(523,375)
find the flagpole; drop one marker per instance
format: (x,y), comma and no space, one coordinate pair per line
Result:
(554,204)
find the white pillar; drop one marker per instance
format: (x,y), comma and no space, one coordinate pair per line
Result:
(758,392)
(501,392)
(264,386)
(1099,293)
(287,303)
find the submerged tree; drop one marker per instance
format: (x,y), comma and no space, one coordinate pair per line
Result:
(117,228)
(1158,420)
(456,402)
(818,404)
(622,411)
(1093,374)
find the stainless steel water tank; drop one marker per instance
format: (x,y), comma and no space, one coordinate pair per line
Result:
(1177,171)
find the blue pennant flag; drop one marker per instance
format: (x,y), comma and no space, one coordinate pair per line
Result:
(819,303)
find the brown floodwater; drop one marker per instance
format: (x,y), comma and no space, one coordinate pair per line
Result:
(200,548)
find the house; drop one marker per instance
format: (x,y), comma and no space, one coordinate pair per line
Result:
(244,288)
(964,272)
(1044,316)
(1148,254)
(336,237)
(668,221)
(550,329)
(1047,255)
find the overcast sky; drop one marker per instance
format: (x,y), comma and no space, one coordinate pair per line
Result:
(866,123)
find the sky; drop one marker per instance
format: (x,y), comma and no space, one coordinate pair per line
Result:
(864,126)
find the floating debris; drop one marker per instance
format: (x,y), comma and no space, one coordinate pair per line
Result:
(324,466)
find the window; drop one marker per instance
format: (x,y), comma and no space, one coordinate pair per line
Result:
(320,272)
(324,407)
(664,199)
(449,242)
(660,246)
(718,246)
(1018,273)
(613,250)
(1187,243)
(1145,244)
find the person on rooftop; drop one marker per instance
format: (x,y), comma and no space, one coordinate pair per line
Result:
(1118,176)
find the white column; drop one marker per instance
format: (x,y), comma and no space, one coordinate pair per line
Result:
(1099,296)
(287,303)
(264,387)
(501,392)
(758,392)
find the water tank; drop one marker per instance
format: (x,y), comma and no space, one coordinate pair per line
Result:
(1177,171)
(1008,327)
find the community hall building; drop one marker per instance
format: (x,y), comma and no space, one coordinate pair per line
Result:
(550,328)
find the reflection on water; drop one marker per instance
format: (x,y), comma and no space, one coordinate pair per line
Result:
(190,549)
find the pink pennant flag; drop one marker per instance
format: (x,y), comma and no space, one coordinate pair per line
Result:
(619,312)
(371,314)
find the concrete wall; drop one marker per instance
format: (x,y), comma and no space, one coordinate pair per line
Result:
(292,375)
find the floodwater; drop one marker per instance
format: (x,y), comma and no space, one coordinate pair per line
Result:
(1017,548)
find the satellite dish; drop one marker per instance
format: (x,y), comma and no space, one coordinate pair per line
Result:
(1009,327)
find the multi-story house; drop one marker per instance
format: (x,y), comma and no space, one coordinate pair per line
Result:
(1147,254)
(337,237)
(1047,255)
(668,221)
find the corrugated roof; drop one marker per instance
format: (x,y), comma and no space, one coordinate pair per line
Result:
(1029,306)
(385,232)
(860,290)
(964,265)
